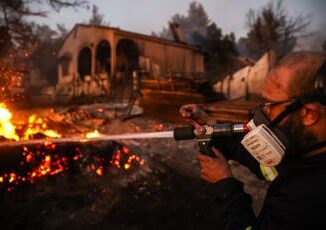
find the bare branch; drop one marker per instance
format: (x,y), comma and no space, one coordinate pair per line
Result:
(273,28)
(58,4)
(13,13)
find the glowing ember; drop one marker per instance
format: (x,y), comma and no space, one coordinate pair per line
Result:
(99,171)
(10,83)
(48,166)
(47,160)
(29,158)
(159,127)
(125,149)
(7,129)
(12,177)
(118,157)
(127,166)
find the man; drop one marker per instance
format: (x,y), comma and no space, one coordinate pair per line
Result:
(296,197)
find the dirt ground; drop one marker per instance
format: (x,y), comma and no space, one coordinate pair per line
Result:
(181,156)
(164,193)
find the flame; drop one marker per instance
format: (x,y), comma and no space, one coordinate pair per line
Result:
(37,125)
(93,134)
(7,129)
(52,133)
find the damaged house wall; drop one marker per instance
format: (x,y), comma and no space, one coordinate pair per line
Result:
(95,59)
(248,80)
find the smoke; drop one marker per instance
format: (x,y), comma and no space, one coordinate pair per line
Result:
(316,9)
(315,41)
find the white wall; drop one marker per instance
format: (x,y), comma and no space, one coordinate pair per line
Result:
(248,80)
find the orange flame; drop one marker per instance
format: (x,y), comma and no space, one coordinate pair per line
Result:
(7,129)
(37,125)
(93,134)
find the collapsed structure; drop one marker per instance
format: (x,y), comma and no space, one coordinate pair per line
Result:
(247,81)
(98,60)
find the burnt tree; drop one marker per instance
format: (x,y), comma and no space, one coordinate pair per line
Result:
(273,28)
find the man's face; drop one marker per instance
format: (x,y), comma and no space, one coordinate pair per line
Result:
(276,89)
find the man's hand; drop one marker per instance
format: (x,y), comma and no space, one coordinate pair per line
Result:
(214,169)
(194,112)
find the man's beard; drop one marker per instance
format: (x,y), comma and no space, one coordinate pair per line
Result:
(300,138)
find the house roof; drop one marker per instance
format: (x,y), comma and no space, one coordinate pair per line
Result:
(134,34)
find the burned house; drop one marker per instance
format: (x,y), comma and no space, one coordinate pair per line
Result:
(100,61)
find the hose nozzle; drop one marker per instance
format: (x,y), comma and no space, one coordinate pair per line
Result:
(209,131)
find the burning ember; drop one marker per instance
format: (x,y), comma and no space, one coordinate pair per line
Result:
(10,83)
(48,159)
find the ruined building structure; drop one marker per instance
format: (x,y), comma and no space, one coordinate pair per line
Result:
(247,81)
(98,60)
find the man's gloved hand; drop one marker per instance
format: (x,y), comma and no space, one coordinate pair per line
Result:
(214,169)
(194,112)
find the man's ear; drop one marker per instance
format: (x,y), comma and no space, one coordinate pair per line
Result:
(310,114)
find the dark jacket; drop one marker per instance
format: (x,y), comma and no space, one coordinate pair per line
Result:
(296,198)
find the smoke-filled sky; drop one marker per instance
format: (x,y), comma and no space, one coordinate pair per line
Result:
(146,16)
